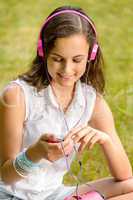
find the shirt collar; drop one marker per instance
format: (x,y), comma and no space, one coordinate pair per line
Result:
(78,99)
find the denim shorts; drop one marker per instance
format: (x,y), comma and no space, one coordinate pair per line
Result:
(59,194)
(6,196)
(62,192)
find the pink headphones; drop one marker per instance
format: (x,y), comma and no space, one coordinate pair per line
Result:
(95,45)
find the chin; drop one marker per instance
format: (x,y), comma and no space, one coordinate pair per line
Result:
(68,82)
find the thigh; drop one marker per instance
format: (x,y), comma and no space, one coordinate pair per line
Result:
(108,187)
(128,196)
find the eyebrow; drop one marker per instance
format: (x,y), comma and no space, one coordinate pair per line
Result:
(80,55)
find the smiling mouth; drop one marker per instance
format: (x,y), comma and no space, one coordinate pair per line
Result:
(65,77)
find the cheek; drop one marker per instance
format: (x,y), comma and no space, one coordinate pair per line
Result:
(81,70)
(51,68)
(51,71)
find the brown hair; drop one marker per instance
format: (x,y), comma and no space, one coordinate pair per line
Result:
(65,25)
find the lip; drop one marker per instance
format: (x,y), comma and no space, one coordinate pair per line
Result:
(65,77)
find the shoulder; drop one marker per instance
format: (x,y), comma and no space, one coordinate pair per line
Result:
(89,92)
(101,106)
(12,102)
(12,94)
(102,116)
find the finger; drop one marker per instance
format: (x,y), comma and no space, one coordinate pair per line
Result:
(72,132)
(68,147)
(79,135)
(68,150)
(94,140)
(54,152)
(62,150)
(75,129)
(68,144)
(82,146)
(66,140)
(86,140)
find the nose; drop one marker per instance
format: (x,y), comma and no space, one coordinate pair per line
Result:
(67,68)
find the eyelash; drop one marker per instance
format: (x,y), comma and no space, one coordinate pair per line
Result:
(56,60)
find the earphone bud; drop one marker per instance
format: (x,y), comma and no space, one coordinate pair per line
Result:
(95,46)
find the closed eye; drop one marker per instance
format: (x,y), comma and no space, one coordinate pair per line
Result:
(61,60)
(57,59)
(77,61)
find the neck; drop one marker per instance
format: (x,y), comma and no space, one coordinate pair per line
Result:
(64,95)
(63,90)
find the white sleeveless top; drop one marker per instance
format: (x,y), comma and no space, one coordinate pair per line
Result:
(43,116)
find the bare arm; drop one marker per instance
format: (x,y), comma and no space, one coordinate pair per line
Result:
(12,112)
(102,120)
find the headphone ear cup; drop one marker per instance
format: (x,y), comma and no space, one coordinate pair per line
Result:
(40,49)
(93,52)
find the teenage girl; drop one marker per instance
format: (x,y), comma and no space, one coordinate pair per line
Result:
(55,109)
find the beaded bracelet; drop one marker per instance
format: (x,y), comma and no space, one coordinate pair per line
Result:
(23,166)
(18,171)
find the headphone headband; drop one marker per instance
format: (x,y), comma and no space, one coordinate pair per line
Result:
(95,47)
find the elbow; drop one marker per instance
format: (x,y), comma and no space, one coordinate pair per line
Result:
(127,183)
(124,177)
(123,174)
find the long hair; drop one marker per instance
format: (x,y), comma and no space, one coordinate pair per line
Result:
(65,25)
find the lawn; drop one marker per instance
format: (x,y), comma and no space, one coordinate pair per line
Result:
(20,23)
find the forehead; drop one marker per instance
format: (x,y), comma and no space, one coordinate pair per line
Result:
(73,44)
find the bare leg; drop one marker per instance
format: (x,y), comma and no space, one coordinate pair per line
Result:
(110,188)
(128,196)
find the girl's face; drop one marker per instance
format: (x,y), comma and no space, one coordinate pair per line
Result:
(67,60)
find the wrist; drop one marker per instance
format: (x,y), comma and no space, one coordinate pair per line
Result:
(23,165)
(108,142)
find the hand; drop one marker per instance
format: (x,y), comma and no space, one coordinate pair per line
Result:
(50,148)
(88,136)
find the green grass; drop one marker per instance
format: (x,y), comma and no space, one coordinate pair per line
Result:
(20,23)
